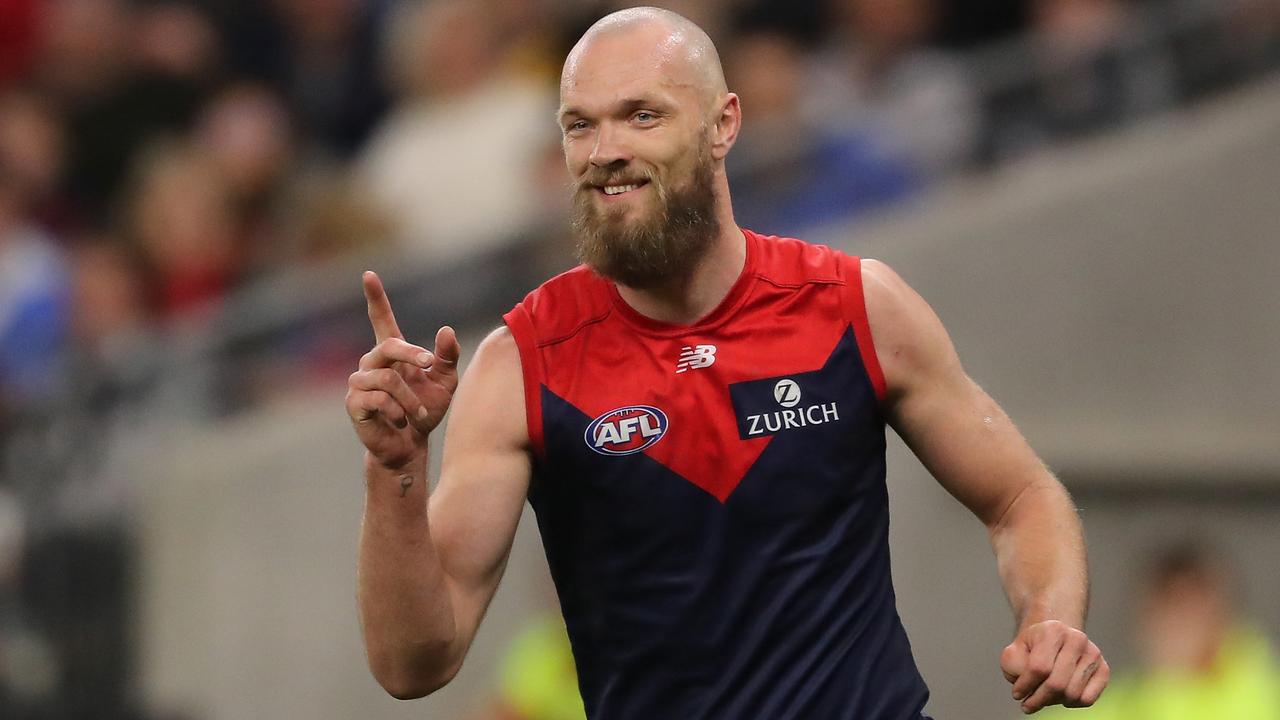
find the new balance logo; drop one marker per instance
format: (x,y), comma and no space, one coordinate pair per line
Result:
(698,356)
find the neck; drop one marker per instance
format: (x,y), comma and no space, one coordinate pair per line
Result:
(686,299)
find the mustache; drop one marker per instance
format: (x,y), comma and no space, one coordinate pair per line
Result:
(600,177)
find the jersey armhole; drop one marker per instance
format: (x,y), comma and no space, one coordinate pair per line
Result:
(521,327)
(856,308)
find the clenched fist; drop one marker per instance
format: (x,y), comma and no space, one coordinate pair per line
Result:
(400,392)
(1052,663)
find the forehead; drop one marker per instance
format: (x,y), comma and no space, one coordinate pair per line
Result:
(608,68)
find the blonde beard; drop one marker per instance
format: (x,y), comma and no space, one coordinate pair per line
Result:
(667,242)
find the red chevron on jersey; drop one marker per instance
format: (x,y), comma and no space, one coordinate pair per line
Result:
(667,391)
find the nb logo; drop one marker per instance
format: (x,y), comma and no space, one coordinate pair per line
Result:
(698,356)
(787,393)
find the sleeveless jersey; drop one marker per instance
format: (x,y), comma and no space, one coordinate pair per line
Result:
(712,497)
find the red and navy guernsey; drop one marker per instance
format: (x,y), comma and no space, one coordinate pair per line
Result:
(712,497)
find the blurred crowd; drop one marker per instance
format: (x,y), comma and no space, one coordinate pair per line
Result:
(157,156)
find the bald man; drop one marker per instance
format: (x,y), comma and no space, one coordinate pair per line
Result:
(697,416)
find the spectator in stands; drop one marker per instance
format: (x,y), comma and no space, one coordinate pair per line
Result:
(83,49)
(34,282)
(122,74)
(454,165)
(33,306)
(1089,72)
(1200,659)
(879,75)
(1096,73)
(787,172)
(174,39)
(321,55)
(181,216)
(110,315)
(246,129)
(1253,28)
(528,38)
(33,152)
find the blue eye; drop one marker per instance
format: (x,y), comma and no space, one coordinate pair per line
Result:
(645,117)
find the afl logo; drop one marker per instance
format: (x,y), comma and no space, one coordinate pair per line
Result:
(787,393)
(626,430)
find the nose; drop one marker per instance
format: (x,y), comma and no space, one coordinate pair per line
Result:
(609,148)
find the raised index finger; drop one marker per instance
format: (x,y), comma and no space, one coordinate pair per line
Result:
(380,315)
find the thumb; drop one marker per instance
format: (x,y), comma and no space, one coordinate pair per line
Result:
(447,347)
(1013,660)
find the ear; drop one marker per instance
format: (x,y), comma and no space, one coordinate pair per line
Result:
(727,123)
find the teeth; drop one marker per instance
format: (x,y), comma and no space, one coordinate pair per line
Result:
(616,189)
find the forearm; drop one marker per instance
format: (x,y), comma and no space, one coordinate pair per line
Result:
(1039,547)
(410,631)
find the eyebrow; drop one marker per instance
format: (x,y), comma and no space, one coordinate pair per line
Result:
(627,105)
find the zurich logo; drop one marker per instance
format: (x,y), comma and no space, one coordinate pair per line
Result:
(626,430)
(787,393)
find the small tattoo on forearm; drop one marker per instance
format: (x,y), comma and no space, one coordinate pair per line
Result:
(405,482)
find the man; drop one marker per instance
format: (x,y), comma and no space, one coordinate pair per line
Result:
(697,417)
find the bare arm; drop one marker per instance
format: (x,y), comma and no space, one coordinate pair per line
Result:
(429,563)
(969,444)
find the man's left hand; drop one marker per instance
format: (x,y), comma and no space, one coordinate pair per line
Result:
(1052,663)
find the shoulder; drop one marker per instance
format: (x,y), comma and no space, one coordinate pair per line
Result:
(791,261)
(884,287)
(490,396)
(498,343)
(910,341)
(496,360)
(561,306)
(893,307)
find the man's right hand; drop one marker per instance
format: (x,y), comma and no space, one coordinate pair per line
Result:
(400,392)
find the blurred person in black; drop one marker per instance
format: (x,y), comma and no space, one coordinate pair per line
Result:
(789,172)
(879,73)
(120,74)
(1088,68)
(322,55)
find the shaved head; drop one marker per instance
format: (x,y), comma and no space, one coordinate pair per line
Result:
(682,50)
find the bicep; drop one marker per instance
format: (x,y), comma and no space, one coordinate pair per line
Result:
(960,434)
(484,478)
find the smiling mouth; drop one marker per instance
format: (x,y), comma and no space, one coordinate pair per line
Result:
(614,190)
